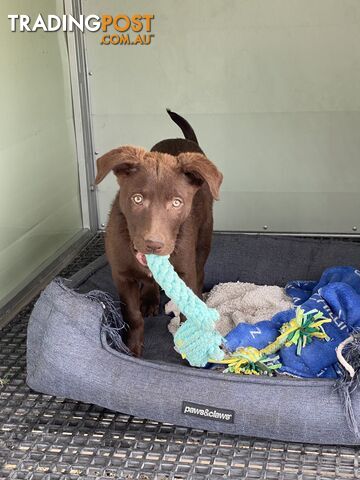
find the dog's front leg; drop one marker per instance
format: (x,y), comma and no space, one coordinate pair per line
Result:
(149,298)
(185,266)
(129,293)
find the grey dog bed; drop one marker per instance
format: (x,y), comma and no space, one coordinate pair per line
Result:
(71,354)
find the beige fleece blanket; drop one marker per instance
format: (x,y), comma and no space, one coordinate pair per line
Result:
(239,302)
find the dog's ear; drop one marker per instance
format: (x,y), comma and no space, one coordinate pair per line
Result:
(122,161)
(200,169)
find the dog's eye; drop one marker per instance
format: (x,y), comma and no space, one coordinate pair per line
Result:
(177,202)
(137,198)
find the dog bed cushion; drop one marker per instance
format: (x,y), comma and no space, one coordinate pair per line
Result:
(70,355)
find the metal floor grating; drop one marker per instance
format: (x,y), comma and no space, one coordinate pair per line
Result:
(43,437)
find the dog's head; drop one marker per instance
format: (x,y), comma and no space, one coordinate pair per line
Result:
(156,192)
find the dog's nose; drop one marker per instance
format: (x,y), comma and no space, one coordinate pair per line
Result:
(153,245)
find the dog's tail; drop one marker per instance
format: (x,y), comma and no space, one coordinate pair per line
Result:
(185,126)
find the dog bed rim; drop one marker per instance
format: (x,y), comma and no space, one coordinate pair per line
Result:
(193,371)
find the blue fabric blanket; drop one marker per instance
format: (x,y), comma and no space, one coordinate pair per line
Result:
(337,295)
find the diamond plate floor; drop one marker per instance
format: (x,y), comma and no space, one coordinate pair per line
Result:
(43,437)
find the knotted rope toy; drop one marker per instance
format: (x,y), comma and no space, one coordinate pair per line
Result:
(196,340)
(299,331)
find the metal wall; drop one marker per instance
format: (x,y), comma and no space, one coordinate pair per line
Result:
(39,196)
(272,89)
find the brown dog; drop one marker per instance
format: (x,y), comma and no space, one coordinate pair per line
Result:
(164,206)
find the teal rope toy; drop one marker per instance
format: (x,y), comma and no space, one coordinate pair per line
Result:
(196,340)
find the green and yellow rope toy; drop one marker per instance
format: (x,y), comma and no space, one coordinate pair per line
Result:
(299,331)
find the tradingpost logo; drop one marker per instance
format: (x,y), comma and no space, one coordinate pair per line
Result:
(120,29)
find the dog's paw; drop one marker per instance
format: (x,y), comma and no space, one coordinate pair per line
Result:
(149,308)
(135,343)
